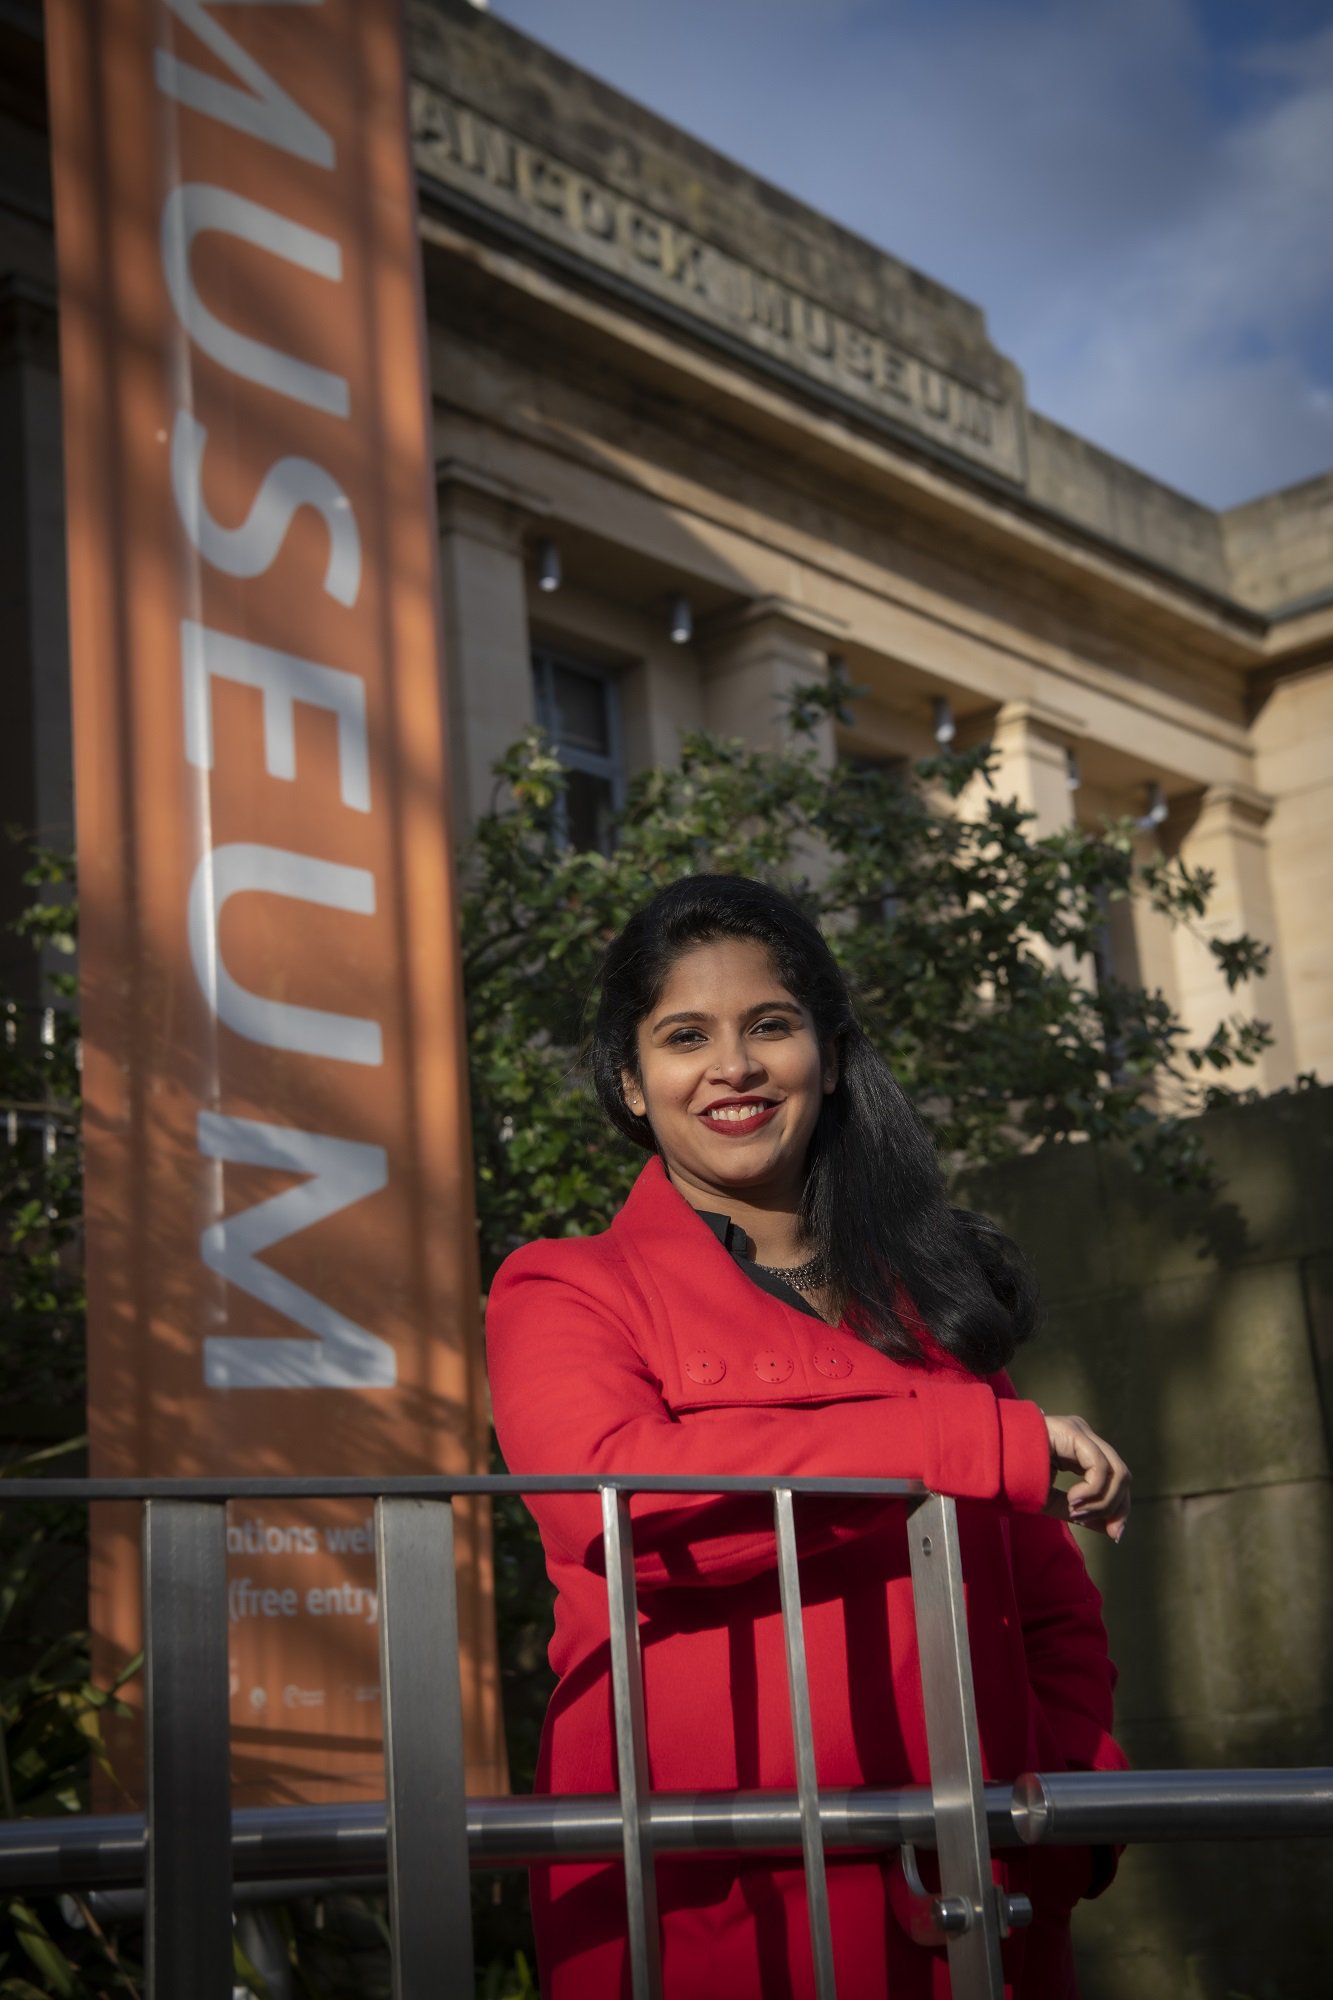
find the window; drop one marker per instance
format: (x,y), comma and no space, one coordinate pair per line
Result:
(578,706)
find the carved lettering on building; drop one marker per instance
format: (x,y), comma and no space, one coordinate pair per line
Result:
(462,150)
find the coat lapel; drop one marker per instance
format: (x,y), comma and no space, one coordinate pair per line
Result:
(687,1277)
(702,1308)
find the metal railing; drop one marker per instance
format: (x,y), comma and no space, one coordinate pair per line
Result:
(194,1856)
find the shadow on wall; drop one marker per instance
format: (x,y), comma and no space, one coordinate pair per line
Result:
(1197,1334)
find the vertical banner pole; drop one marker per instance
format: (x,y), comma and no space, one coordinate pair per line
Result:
(281,1246)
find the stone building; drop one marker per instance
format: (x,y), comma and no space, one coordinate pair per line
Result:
(693,441)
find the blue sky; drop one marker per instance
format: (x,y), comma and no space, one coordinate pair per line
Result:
(1138,193)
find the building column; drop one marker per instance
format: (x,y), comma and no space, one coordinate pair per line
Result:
(1228,838)
(488,666)
(1031,742)
(1142,941)
(754,660)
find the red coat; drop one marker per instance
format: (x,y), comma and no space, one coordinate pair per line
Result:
(646,1350)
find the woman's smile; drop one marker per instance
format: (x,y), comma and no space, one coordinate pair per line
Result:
(731,1077)
(738,1116)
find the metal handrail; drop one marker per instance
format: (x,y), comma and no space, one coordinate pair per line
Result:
(192,1853)
(1056,1809)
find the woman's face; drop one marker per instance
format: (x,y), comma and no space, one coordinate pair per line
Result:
(731,1076)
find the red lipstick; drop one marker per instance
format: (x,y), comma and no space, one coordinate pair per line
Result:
(759,1109)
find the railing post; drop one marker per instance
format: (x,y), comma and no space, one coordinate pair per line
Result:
(430,1886)
(188,1926)
(966,1914)
(631,1746)
(803,1742)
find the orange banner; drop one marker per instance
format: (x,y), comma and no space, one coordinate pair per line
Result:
(281,1246)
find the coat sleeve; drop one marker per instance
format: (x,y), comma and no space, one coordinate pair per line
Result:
(1065,1641)
(1069,1665)
(572,1392)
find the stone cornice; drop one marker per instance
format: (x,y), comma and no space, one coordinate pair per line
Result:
(1058,724)
(457,474)
(1245,808)
(485,506)
(802,621)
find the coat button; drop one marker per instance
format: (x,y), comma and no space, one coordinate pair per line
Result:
(770,1366)
(705,1367)
(831,1361)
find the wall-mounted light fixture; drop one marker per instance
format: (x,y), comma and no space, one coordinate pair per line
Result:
(680,620)
(1073,771)
(943,725)
(1157,807)
(550,575)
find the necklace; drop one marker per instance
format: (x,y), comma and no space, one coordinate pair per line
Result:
(801,1277)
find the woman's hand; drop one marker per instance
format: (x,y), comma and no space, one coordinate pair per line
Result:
(1099,1497)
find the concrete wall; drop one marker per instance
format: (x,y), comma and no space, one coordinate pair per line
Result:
(1101,492)
(1197,1334)
(1280,547)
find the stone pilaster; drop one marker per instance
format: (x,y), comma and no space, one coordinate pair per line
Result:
(488,664)
(1228,836)
(1143,943)
(753,660)
(1031,741)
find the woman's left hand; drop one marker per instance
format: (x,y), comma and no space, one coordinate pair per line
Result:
(1099,1497)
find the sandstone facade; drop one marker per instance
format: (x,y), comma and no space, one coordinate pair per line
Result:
(693,387)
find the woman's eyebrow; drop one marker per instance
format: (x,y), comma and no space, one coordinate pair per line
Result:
(696,1014)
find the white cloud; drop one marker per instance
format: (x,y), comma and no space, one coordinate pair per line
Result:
(1202,359)
(1145,221)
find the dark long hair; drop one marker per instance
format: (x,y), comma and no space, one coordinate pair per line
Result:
(874,1205)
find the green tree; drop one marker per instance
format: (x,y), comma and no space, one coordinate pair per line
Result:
(41,1179)
(961,930)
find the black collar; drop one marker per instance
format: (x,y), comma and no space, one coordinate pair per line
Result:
(737,1246)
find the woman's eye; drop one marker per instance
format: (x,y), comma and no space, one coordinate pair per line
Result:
(684,1038)
(774,1025)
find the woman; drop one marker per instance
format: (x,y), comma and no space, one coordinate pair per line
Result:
(787,1292)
